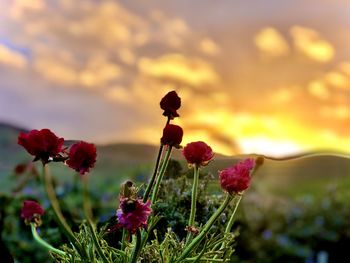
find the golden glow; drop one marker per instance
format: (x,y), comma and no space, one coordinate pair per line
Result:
(319,90)
(194,72)
(311,44)
(209,47)
(337,79)
(271,135)
(271,43)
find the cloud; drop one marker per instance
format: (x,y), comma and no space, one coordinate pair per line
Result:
(319,90)
(310,43)
(271,43)
(190,71)
(12,58)
(209,47)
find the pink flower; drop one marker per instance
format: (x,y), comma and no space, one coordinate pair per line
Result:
(172,135)
(170,103)
(133,214)
(43,144)
(237,178)
(82,157)
(31,212)
(198,153)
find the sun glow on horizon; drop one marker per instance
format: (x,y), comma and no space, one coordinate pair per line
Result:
(259,85)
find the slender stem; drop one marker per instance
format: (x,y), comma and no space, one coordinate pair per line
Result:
(43,242)
(161,174)
(205,229)
(162,170)
(232,218)
(193,202)
(137,248)
(59,218)
(88,215)
(153,178)
(123,240)
(230,222)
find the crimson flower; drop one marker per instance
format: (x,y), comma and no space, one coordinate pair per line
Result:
(172,135)
(82,157)
(170,103)
(237,178)
(43,144)
(198,153)
(31,212)
(133,214)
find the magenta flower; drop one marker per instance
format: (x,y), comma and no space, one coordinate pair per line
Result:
(43,144)
(198,153)
(172,135)
(237,178)
(82,157)
(31,212)
(170,103)
(133,214)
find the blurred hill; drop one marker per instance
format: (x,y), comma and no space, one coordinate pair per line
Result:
(119,161)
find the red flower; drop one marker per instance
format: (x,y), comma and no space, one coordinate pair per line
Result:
(31,212)
(82,157)
(172,135)
(198,153)
(133,214)
(43,144)
(237,178)
(170,103)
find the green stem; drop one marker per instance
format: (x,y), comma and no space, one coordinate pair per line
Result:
(88,215)
(205,229)
(59,218)
(230,222)
(153,178)
(232,218)
(193,202)
(161,174)
(44,243)
(137,248)
(123,240)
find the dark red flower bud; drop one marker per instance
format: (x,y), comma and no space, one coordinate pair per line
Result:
(198,153)
(43,144)
(82,157)
(172,135)
(31,212)
(237,178)
(170,103)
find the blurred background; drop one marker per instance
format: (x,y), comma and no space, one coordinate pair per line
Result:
(266,77)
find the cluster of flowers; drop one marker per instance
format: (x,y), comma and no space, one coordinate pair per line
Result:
(133,213)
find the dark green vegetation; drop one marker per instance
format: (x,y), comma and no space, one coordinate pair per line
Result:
(293,210)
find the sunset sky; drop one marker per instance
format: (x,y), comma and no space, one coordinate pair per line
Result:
(269,77)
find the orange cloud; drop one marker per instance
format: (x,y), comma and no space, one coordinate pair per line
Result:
(271,43)
(209,47)
(194,72)
(310,43)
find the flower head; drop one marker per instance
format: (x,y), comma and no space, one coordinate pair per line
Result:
(172,135)
(170,103)
(133,213)
(31,212)
(82,157)
(198,153)
(43,144)
(237,178)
